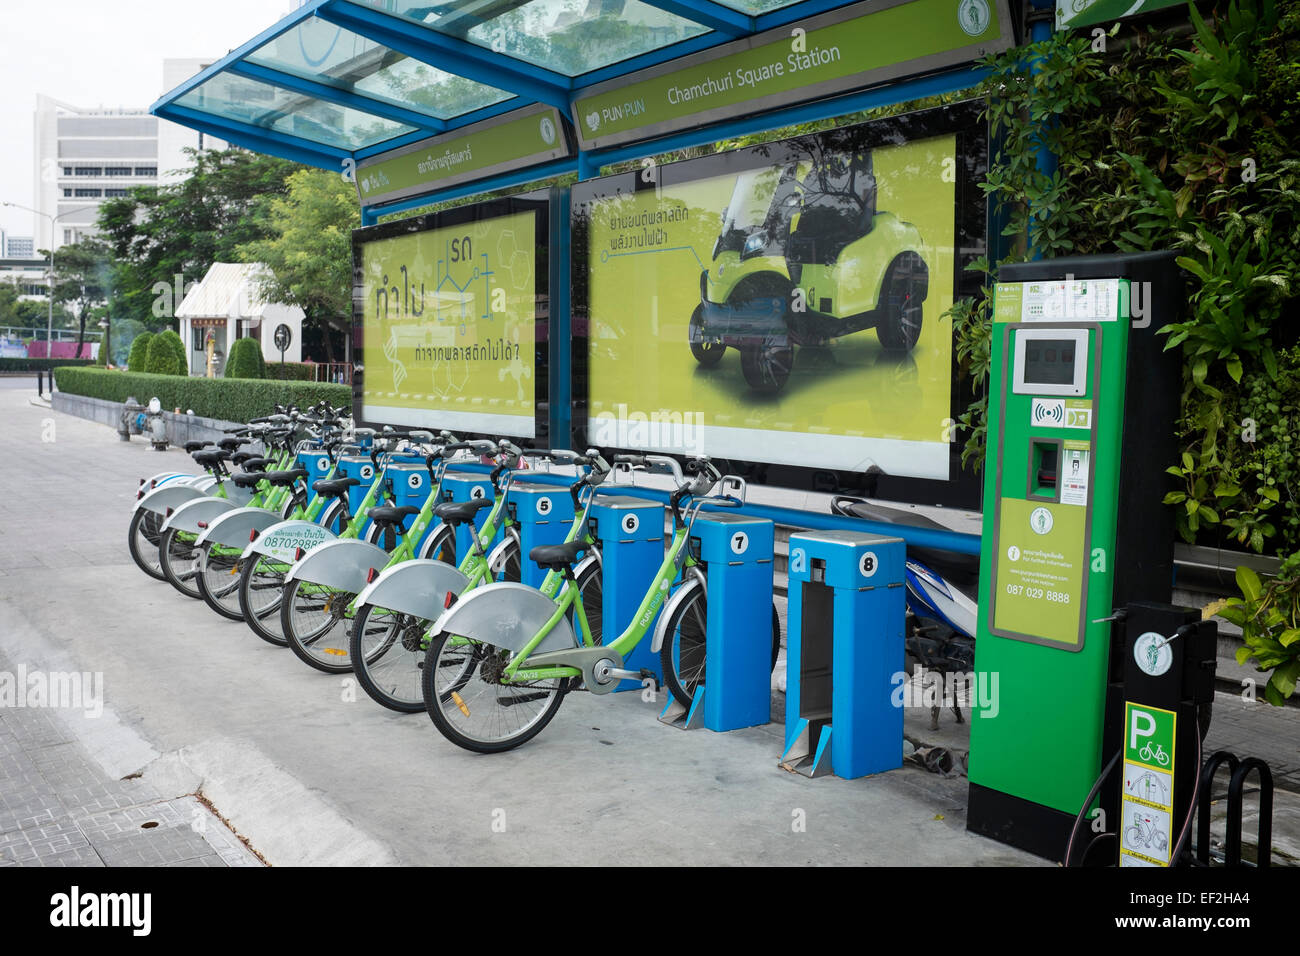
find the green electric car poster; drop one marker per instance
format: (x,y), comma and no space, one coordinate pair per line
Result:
(448,319)
(786,313)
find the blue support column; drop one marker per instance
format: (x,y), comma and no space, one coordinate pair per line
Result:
(410,486)
(631,536)
(545,515)
(737,551)
(845,645)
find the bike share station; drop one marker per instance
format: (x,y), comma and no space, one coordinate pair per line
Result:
(778,309)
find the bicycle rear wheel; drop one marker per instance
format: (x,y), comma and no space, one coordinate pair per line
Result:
(179,559)
(316,626)
(218,579)
(387,651)
(261,590)
(142,542)
(682,656)
(469,704)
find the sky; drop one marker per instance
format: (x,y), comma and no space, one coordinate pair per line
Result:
(107,53)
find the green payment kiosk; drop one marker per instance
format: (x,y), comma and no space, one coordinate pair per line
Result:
(1082,403)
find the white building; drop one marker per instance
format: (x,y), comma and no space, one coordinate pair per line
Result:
(85,156)
(17,247)
(228,304)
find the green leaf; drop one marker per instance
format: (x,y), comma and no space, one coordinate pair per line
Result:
(1243,655)
(1248,582)
(1289,636)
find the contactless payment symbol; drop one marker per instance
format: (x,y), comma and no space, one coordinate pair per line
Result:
(1046,411)
(1040,521)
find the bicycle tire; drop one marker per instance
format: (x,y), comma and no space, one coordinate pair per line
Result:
(218,581)
(142,542)
(591,588)
(440,545)
(387,650)
(682,656)
(311,622)
(178,558)
(476,712)
(261,590)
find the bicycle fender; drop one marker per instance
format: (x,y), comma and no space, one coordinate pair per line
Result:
(283,539)
(661,625)
(232,528)
(418,587)
(338,564)
(168,496)
(507,615)
(188,515)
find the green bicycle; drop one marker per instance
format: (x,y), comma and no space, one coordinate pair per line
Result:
(503,657)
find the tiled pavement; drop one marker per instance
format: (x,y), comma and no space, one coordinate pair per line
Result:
(59,808)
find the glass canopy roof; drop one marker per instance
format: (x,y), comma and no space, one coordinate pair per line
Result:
(566,36)
(340,78)
(318,50)
(263,105)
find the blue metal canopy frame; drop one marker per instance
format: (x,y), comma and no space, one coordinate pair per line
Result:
(522,83)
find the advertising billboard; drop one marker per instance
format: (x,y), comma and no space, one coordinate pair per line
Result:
(781,306)
(452,311)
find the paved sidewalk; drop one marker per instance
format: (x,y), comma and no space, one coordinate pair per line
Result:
(58,807)
(311,772)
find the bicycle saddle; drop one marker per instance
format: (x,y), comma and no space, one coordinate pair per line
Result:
(193,446)
(284,477)
(392,514)
(459,512)
(230,444)
(556,557)
(247,479)
(252,463)
(333,487)
(210,457)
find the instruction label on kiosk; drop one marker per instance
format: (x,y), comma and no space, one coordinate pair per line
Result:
(1040,572)
(1147,800)
(1075,457)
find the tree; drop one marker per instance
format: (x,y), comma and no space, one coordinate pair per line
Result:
(166,355)
(310,249)
(245,360)
(138,359)
(156,234)
(82,278)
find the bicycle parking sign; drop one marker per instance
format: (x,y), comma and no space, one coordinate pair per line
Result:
(1147,800)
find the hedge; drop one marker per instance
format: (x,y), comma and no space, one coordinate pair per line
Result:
(291,371)
(233,399)
(38,364)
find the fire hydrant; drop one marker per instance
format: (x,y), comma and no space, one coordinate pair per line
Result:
(156,426)
(126,426)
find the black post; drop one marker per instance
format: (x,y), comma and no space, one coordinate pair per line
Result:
(40,382)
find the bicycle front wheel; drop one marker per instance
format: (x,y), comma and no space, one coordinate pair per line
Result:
(316,624)
(470,705)
(682,656)
(142,542)
(387,651)
(261,590)
(218,579)
(179,559)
